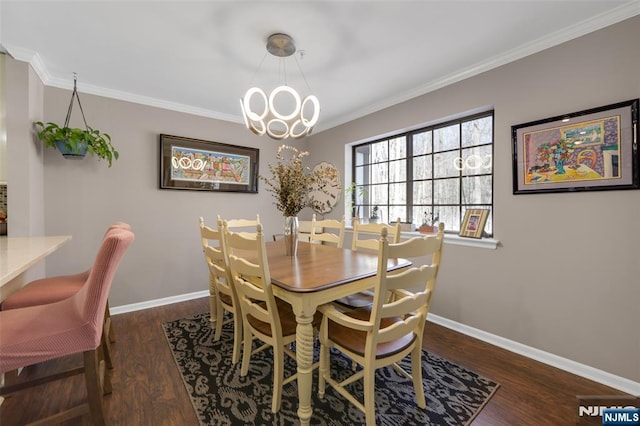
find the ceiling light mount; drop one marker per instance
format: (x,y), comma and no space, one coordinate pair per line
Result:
(282,114)
(281,45)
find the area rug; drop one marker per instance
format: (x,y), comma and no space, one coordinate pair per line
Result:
(221,396)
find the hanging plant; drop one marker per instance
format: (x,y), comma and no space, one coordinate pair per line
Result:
(74,142)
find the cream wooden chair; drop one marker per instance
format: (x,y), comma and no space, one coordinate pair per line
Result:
(387,331)
(365,298)
(222,294)
(336,237)
(264,317)
(374,229)
(242,223)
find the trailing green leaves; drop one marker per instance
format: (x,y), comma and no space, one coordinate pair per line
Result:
(98,144)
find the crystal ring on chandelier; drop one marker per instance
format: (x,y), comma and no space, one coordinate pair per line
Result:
(281,114)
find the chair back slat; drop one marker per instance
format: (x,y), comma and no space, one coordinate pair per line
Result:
(413,278)
(373,230)
(336,237)
(241,223)
(398,329)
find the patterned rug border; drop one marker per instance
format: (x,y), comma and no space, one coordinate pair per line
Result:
(203,315)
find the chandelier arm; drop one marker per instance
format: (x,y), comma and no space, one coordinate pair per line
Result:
(257,70)
(302,73)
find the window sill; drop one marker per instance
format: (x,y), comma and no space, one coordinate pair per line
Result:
(484,243)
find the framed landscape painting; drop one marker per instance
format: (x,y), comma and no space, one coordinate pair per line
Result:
(595,149)
(207,166)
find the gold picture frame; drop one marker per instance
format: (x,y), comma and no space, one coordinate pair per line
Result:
(473,223)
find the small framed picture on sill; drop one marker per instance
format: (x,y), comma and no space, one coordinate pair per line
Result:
(473,223)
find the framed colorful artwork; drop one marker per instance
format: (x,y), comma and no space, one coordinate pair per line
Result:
(595,149)
(473,223)
(207,166)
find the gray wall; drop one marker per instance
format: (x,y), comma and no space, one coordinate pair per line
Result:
(564,279)
(83,197)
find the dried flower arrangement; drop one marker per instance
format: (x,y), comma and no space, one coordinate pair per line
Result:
(292,182)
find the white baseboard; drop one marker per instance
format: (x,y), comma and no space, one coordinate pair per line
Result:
(565,364)
(158,302)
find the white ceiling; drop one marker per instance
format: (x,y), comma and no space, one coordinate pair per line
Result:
(359,56)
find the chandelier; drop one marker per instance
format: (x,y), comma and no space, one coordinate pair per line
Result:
(282,114)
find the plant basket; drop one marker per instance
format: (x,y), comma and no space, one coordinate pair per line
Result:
(70,152)
(74,143)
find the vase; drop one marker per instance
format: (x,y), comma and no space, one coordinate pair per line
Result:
(291,235)
(560,167)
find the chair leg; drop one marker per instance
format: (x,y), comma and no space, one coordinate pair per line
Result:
(324,369)
(106,378)
(237,337)
(219,320)
(278,377)
(108,336)
(246,352)
(369,395)
(213,307)
(416,372)
(94,376)
(108,324)
(107,348)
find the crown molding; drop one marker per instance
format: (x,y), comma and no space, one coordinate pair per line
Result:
(625,11)
(33,58)
(143,100)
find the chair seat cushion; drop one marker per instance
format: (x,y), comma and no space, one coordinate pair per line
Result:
(46,290)
(356,300)
(39,333)
(355,340)
(225,299)
(287,320)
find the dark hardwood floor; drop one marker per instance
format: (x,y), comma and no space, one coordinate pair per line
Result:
(148,390)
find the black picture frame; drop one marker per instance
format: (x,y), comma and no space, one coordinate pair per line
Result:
(590,150)
(199,165)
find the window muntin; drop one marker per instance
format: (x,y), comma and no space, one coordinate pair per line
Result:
(445,169)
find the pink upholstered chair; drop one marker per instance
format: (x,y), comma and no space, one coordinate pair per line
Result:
(73,325)
(54,289)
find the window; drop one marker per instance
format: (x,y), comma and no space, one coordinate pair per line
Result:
(441,170)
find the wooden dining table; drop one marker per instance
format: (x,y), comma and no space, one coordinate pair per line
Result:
(318,274)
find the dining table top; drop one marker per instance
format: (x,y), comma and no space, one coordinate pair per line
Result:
(318,267)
